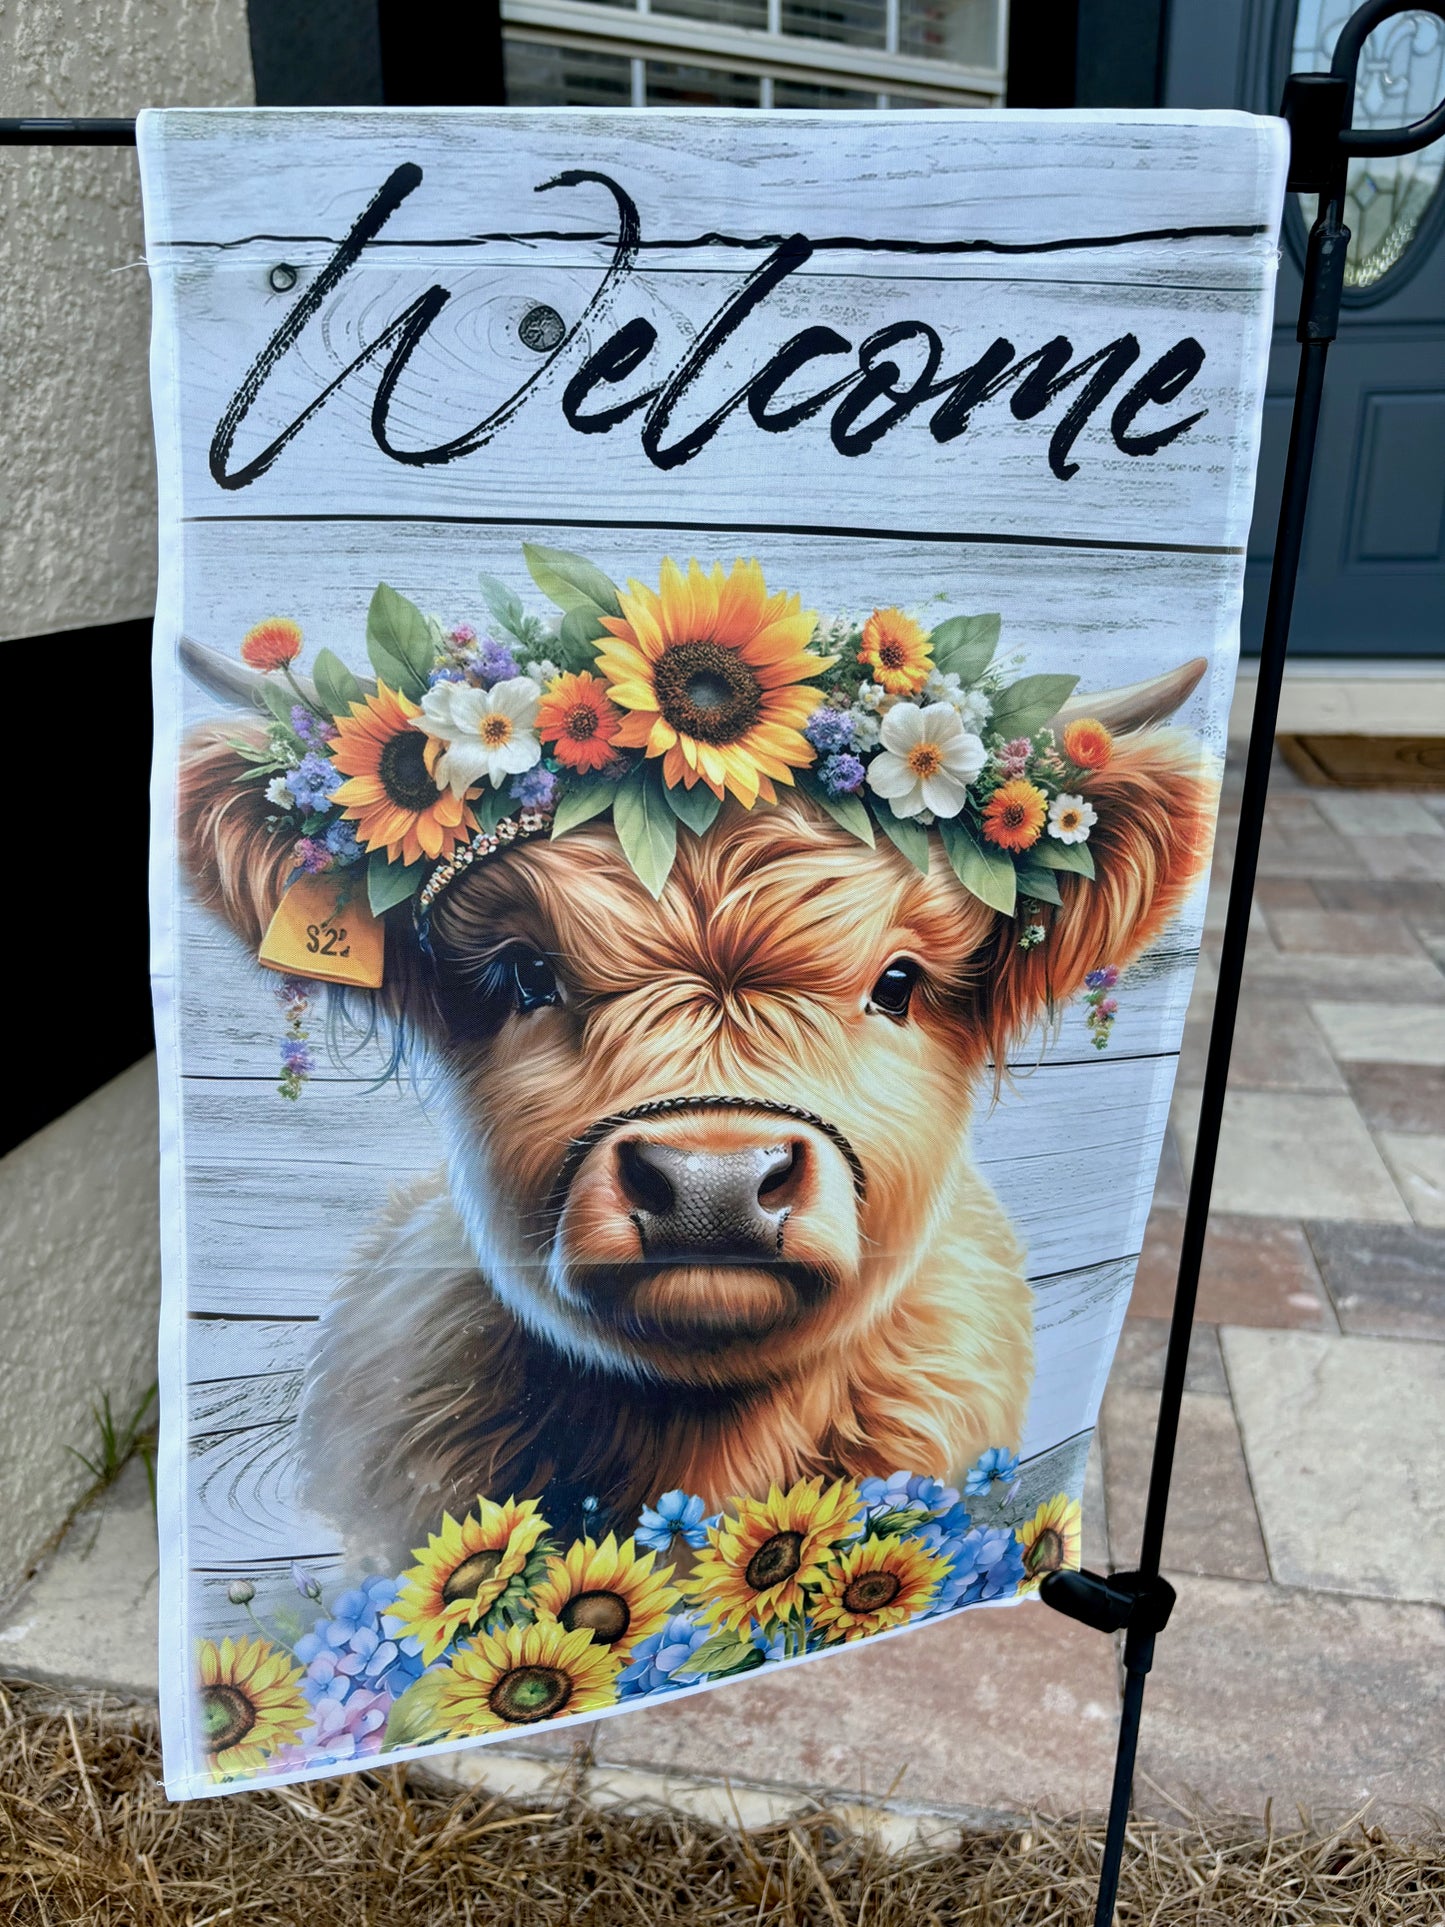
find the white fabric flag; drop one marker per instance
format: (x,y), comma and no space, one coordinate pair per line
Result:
(691,676)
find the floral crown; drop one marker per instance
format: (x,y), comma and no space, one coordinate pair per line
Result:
(651,707)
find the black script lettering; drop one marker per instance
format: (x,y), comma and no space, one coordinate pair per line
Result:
(877,379)
(614,361)
(1052,376)
(811,345)
(782,262)
(1170,375)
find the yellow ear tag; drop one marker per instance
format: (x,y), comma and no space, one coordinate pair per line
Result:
(324,928)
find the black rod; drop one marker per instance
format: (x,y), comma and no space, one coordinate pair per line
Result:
(67,133)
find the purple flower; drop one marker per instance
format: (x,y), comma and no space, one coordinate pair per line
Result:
(313,855)
(341,841)
(655,1660)
(296,1057)
(1104,979)
(302,1580)
(840,775)
(1013,758)
(535,789)
(676,1514)
(309,726)
(313,781)
(493,662)
(829,729)
(1109,1007)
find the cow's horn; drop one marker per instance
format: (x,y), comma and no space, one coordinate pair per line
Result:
(1140,703)
(232,681)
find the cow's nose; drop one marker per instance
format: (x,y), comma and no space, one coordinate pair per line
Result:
(709,1205)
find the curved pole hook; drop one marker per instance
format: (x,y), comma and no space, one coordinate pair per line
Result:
(1348,48)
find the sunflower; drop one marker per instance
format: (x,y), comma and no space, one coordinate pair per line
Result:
(522,1675)
(392,795)
(465,1569)
(756,1565)
(607,1591)
(877,1584)
(1015,814)
(580,719)
(1087,744)
(897,651)
(1052,1540)
(713,671)
(272,644)
(251,1702)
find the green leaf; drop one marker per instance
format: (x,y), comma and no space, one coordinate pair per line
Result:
(1074,857)
(720,1657)
(580,805)
(414,1718)
(505,605)
(905,831)
(1037,881)
(964,645)
(278,698)
(1026,705)
(570,580)
(578,637)
(494,805)
(986,873)
(646,828)
(399,642)
(335,684)
(391,883)
(850,811)
(697,807)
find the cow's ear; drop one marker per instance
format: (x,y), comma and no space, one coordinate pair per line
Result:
(237,866)
(1156,805)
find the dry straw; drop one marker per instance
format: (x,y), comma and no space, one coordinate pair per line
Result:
(87,1839)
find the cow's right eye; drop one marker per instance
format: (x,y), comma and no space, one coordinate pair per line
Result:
(894,989)
(534,982)
(516,980)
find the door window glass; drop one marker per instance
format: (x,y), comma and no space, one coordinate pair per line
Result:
(1401,77)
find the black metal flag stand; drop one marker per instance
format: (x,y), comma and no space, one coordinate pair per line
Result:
(1318,108)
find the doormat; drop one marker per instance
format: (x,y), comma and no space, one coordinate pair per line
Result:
(1367,762)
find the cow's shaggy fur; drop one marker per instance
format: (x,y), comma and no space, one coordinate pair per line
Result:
(493,1338)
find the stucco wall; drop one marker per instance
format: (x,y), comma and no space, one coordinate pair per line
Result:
(77,514)
(79,1294)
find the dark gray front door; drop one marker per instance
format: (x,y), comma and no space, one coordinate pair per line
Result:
(1373,581)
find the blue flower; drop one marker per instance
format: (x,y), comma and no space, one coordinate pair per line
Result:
(829,729)
(357,1646)
(676,1513)
(535,789)
(655,1660)
(996,1463)
(840,775)
(452,672)
(297,1057)
(908,1492)
(340,839)
(493,662)
(308,726)
(313,780)
(987,1563)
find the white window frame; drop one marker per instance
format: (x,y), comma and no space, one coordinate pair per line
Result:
(770,55)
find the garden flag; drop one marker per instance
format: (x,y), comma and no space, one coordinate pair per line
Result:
(691,679)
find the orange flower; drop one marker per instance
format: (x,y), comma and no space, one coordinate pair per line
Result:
(272,643)
(897,651)
(577,715)
(392,796)
(1087,744)
(1015,814)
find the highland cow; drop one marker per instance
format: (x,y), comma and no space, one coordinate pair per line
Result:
(710,1219)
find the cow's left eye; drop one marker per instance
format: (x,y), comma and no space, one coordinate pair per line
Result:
(534,982)
(894,989)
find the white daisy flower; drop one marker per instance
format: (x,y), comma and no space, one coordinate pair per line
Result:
(278,793)
(489,733)
(1071,819)
(927,761)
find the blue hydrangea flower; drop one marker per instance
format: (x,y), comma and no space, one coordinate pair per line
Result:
(840,775)
(655,1660)
(358,1644)
(907,1491)
(452,672)
(535,789)
(987,1563)
(945,1527)
(493,662)
(829,729)
(676,1514)
(340,839)
(313,781)
(996,1463)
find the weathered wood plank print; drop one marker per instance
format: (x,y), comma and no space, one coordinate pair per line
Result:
(691,677)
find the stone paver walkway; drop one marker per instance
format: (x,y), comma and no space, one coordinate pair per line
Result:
(1306,1658)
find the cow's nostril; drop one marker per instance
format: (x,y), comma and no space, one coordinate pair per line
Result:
(782,1166)
(643,1179)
